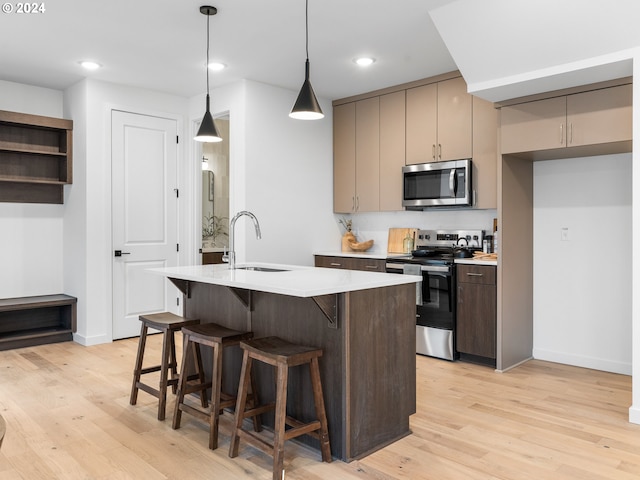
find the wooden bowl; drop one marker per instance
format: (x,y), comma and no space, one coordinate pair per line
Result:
(361,246)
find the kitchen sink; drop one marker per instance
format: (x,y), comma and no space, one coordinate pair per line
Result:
(262,269)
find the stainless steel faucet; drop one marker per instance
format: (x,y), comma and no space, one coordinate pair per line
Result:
(231,256)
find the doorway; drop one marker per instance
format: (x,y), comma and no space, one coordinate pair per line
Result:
(215,195)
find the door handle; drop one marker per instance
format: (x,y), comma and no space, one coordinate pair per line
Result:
(119,253)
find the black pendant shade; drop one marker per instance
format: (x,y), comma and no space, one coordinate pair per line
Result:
(306,106)
(208,131)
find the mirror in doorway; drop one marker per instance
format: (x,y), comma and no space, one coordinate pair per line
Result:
(215,190)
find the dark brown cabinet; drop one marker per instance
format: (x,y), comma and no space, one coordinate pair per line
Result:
(476,313)
(351,263)
(35,158)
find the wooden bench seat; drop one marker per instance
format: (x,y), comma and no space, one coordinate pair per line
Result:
(36,320)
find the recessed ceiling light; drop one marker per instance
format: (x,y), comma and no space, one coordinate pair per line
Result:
(216,66)
(364,61)
(90,64)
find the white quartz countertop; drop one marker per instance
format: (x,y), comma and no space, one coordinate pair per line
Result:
(374,255)
(296,280)
(472,261)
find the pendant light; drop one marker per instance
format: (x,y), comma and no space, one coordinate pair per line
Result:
(207,131)
(306,106)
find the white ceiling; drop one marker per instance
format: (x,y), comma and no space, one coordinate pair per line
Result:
(161,44)
(504,48)
(510,48)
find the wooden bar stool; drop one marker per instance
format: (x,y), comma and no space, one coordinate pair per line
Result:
(217,337)
(282,355)
(168,324)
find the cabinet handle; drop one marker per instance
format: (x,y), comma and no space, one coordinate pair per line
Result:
(353,203)
(570,133)
(562,134)
(372,267)
(439,152)
(475,274)
(357,203)
(433,151)
(334,264)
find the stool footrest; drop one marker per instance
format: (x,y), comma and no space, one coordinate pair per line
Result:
(299,428)
(256,440)
(258,410)
(150,390)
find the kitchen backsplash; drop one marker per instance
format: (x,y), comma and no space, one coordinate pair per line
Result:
(375,226)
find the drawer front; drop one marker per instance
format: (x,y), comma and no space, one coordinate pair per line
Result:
(330,262)
(366,264)
(481,274)
(351,263)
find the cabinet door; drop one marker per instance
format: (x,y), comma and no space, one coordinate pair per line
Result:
(485,154)
(454,120)
(532,126)
(422,124)
(392,150)
(599,116)
(344,158)
(368,155)
(476,320)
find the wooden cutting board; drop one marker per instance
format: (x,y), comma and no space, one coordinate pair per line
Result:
(396,237)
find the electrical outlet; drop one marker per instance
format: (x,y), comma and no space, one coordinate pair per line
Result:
(564,234)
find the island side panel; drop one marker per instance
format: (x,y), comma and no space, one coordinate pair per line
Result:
(301,321)
(381,361)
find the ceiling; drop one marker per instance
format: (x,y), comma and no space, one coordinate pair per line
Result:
(161,44)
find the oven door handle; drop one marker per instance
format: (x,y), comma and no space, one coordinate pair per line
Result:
(423,268)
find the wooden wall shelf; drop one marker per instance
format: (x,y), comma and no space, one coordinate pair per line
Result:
(35,157)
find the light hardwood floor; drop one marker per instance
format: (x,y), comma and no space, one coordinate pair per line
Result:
(68,417)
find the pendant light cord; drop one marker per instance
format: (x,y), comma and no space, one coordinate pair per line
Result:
(306,28)
(207,65)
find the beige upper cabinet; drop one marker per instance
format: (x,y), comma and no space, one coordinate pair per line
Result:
(392,150)
(344,158)
(356,156)
(422,124)
(368,155)
(589,118)
(439,122)
(533,126)
(454,120)
(369,149)
(600,116)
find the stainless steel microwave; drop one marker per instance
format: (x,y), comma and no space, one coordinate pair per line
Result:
(437,184)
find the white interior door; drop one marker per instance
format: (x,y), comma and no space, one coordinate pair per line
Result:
(144,217)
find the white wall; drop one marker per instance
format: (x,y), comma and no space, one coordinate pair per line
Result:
(582,286)
(280,169)
(367,226)
(288,178)
(31,234)
(89,261)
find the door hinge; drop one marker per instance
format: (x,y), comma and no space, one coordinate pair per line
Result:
(177,247)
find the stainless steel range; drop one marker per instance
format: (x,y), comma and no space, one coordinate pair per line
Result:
(433,258)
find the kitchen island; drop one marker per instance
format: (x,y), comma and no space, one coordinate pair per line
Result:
(363,321)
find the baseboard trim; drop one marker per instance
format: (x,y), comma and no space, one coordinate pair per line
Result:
(594,363)
(89,341)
